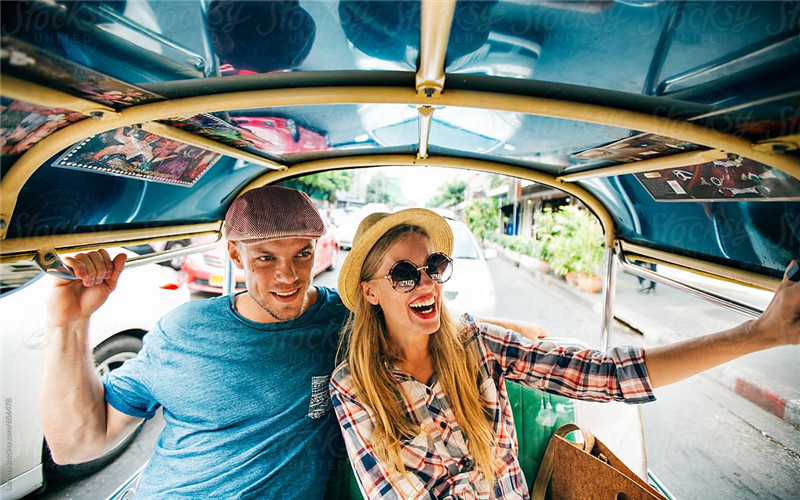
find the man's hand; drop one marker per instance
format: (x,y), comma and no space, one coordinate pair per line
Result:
(72,300)
(780,323)
(527,329)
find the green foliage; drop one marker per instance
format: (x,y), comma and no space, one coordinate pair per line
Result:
(450,194)
(525,246)
(544,224)
(576,242)
(570,239)
(495,238)
(482,217)
(323,185)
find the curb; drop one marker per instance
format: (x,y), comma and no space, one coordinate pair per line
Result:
(774,398)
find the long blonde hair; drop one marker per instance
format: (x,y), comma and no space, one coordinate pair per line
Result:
(369,351)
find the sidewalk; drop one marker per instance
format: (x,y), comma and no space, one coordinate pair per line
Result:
(770,379)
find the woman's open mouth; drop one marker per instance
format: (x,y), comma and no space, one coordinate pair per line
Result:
(425,308)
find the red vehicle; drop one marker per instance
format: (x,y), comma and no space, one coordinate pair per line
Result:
(282,135)
(202,272)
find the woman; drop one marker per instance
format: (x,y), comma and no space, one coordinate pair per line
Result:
(420,398)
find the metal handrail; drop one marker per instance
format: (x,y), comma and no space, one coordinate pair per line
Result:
(49,261)
(693,289)
(609,291)
(140,260)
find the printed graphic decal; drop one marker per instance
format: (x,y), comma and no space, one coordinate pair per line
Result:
(24,124)
(39,66)
(637,148)
(133,152)
(733,179)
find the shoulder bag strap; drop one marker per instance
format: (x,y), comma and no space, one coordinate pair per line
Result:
(546,467)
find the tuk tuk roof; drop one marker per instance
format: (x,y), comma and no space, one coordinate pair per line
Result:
(676,123)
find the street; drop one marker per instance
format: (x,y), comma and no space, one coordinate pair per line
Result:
(703,441)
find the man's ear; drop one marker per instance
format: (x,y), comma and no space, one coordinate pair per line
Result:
(235,254)
(369,293)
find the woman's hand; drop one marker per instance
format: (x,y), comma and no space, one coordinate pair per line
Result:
(780,322)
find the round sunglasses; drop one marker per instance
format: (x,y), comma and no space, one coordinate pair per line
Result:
(405,276)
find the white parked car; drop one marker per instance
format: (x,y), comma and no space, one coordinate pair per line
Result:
(471,288)
(143,295)
(347,225)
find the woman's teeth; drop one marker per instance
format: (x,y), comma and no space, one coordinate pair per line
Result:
(423,306)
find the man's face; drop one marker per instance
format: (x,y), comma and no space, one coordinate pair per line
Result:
(278,275)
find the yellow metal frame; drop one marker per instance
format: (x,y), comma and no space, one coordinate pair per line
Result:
(25,247)
(16,249)
(424,119)
(185,137)
(436,21)
(446,162)
(145,115)
(15,88)
(699,267)
(675,160)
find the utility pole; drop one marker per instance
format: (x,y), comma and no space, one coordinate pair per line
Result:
(515,187)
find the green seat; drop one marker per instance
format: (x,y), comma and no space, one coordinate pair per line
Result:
(342,484)
(537,415)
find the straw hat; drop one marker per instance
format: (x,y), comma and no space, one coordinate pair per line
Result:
(370,231)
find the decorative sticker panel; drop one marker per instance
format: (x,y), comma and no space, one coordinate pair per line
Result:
(133,152)
(726,179)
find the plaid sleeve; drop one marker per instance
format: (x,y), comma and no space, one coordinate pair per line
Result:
(618,374)
(356,425)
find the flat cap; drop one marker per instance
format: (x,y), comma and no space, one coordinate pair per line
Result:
(272,213)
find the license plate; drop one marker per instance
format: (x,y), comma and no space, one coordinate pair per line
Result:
(216,280)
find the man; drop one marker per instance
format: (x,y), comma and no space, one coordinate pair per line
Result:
(243,380)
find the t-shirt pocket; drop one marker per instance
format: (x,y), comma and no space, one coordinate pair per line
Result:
(320,403)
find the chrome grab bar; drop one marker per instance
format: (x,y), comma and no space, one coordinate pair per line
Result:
(693,289)
(127,490)
(49,261)
(793,273)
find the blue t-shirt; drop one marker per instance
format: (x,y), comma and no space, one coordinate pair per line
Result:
(246,404)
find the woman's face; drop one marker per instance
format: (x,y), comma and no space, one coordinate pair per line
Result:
(413,313)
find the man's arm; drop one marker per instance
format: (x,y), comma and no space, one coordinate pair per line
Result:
(779,325)
(533,331)
(78,424)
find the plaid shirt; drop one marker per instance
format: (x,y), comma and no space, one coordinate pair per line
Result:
(438,459)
